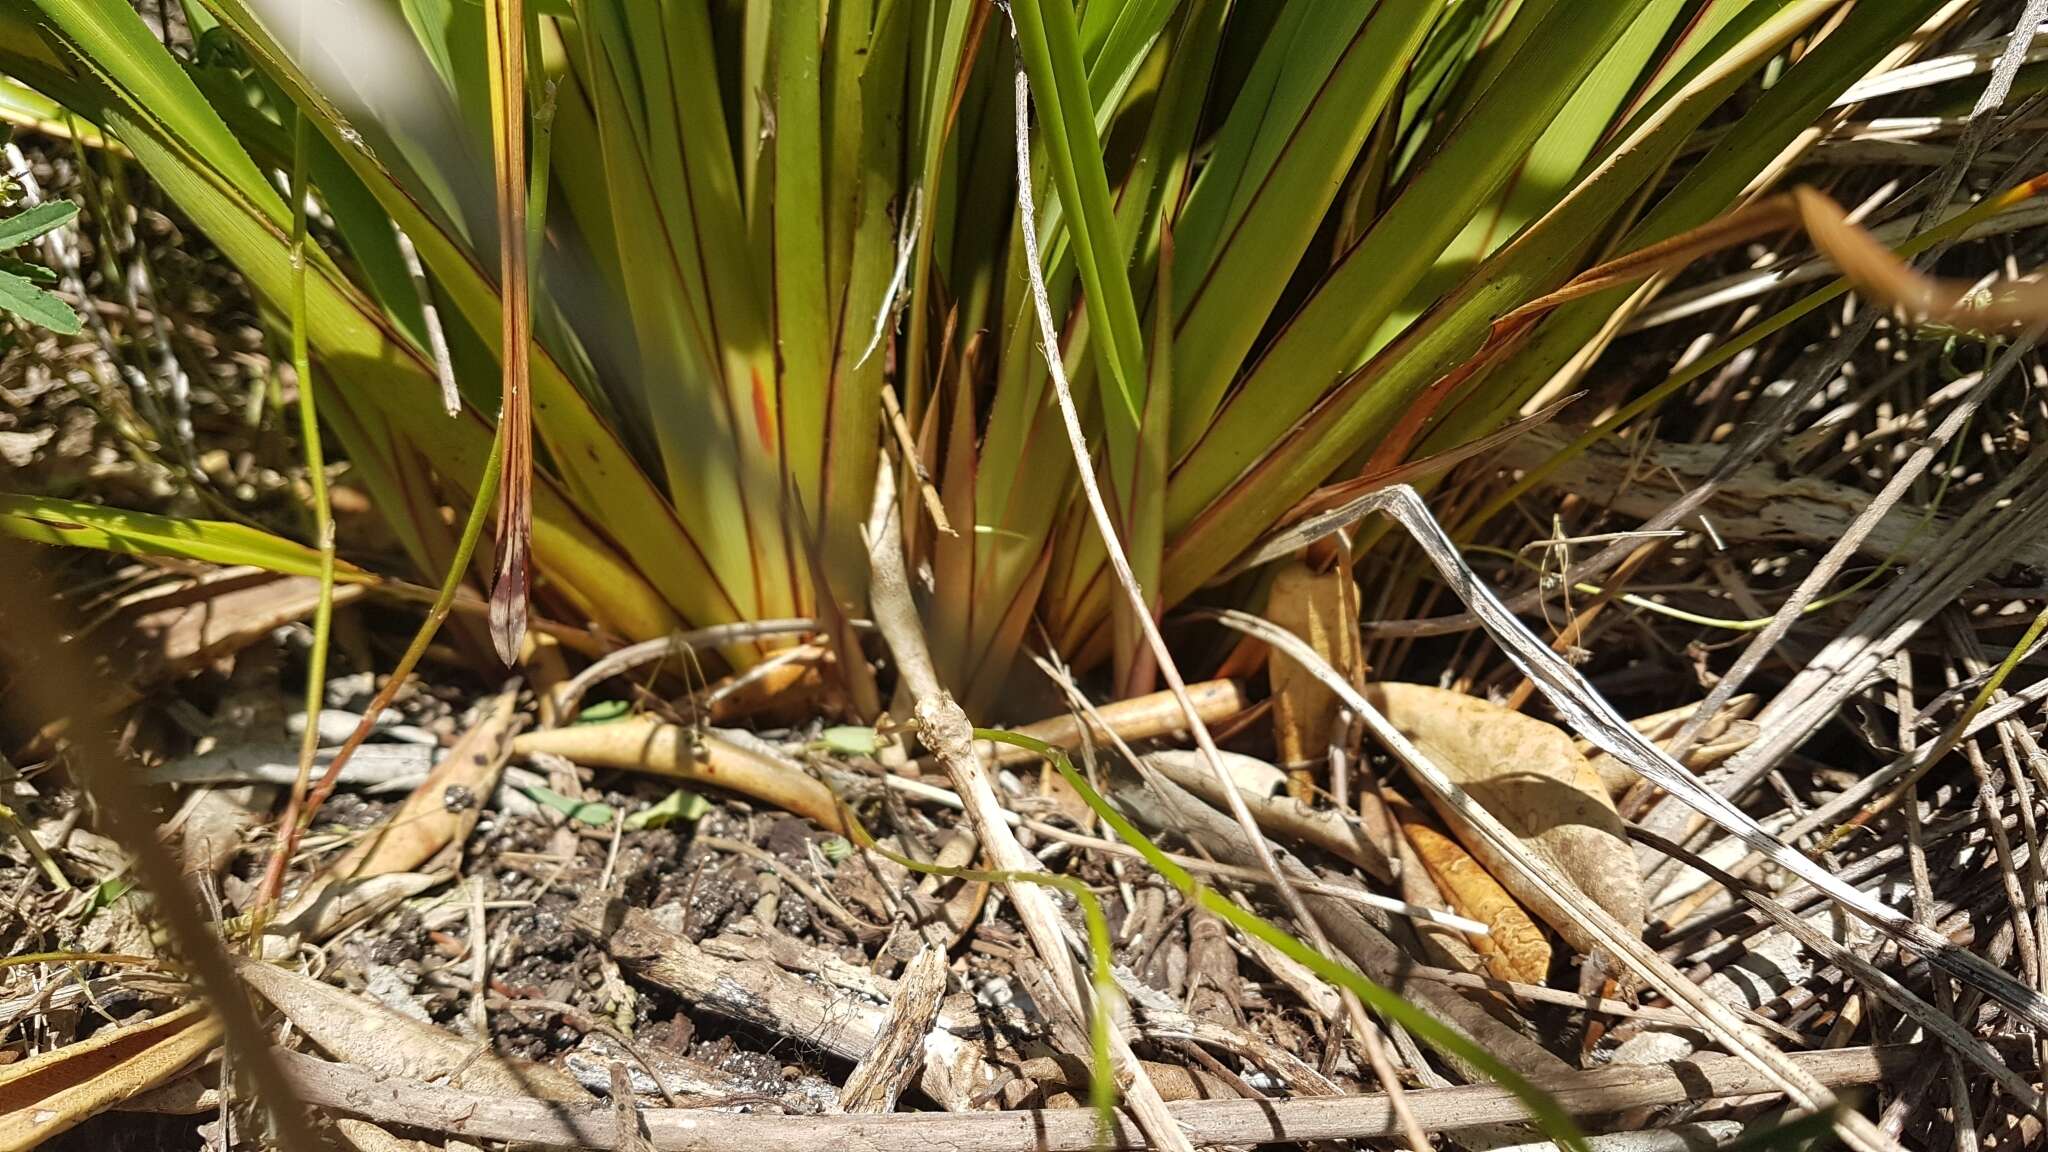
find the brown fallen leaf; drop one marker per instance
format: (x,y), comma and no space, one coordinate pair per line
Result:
(56,1091)
(170,631)
(362,1032)
(1516,949)
(443,809)
(679,752)
(1318,607)
(1533,778)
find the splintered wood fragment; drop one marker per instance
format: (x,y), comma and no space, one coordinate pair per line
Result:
(1516,949)
(631,1137)
(51,1093)
(1533,779)
(758,992)
(891,1065)
(355,1091)
(1315,606)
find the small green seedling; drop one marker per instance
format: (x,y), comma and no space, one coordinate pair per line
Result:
(848,740)
(582,811)
(604,712)
(21,282)
(678,807)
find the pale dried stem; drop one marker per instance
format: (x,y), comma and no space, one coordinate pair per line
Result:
(1209,1123)
(945,730)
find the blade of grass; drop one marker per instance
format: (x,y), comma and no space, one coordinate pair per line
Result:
(1346,419)
(1049,46)
(1325,338)
(316,466)
(804,325)
(596,472)
(72,523)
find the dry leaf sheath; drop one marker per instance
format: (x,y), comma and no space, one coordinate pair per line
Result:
(506,35)
(44,1096)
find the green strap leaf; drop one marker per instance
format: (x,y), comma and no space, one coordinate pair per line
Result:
(25,226)
(19,295)
(48,520)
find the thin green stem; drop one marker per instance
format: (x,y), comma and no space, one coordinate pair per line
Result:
(316,466)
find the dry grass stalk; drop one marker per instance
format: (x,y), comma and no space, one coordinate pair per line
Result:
(944,729)
(1206,1123)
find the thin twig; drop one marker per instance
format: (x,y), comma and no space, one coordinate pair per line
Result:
(1208,1123)
(944,729)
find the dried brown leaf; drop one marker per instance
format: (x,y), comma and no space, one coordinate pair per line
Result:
(1879,271)
(1516,949)
(1319,607)
(678,752)
(45,1095)
(445,806)
(1533,778)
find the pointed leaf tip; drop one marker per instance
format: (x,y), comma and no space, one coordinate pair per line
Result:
(508,601)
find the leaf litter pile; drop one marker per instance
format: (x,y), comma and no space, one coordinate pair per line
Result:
(626,901)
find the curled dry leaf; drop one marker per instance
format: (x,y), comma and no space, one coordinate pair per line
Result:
(445,806)
(1533,778)
(359,1031)
(1878,271)
(678,752)
(56,1091)
(1319,607)
(1516,948)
